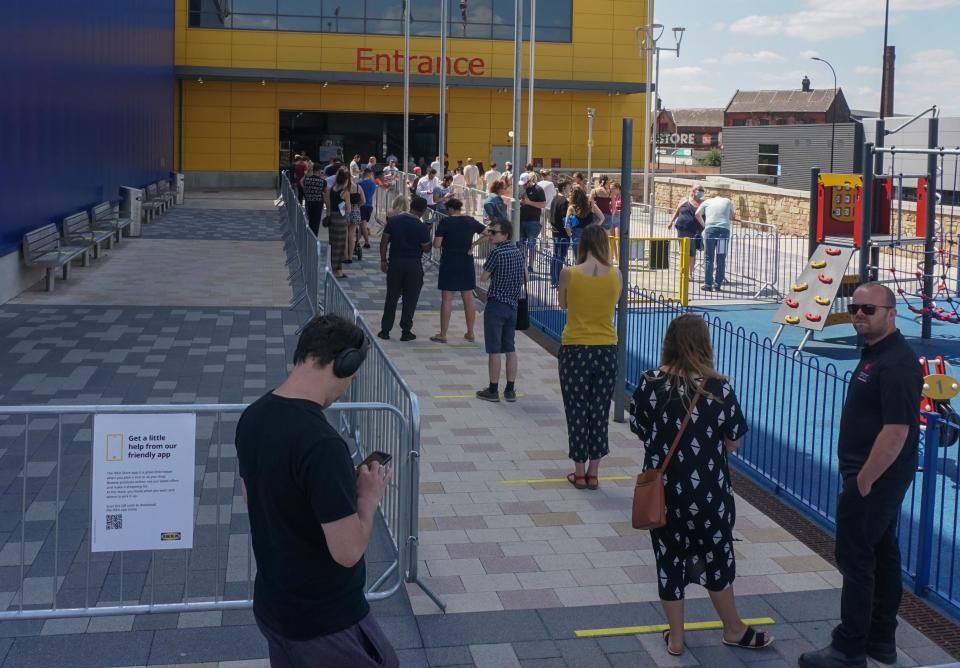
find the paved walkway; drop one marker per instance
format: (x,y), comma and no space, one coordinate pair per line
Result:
(522,565)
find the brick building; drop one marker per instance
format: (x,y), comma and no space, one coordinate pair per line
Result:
(786,107)
(699,129)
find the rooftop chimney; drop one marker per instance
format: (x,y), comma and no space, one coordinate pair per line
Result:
(886,90)
(805,84)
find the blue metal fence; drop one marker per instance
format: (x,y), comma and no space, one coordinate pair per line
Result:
(793,406)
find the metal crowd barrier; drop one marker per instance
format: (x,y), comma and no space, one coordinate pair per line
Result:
(307,256)
(378,377)
(379,380)
(180,580)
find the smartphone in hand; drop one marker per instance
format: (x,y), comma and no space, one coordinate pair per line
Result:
(382,458)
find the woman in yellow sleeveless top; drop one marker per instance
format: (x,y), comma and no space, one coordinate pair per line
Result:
(588,357)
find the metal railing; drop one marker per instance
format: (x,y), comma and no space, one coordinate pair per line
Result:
(379,380)
(306,255)
(167,581)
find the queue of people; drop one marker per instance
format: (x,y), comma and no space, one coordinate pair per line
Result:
(878,431)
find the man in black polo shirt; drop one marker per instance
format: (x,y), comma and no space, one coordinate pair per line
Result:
(407,238)
(532,203)
(311,512)
(879,430)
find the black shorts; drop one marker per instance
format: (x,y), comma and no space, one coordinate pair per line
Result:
(365,213)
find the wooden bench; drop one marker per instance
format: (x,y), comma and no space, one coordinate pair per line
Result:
(153,204)
(77,231)
(42,248)
(106,216)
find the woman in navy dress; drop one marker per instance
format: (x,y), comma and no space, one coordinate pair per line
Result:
(455,236)
(696,544)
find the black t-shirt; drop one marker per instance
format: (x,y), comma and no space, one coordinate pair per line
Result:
(534,194)
(299,475)
(407,236)
(558,215)
(885,389)
(458,233)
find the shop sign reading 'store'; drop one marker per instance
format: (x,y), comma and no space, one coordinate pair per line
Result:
(369,60)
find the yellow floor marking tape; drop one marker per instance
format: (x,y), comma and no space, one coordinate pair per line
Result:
(538,480)
(656,628)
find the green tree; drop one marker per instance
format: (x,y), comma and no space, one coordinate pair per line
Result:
(712,158)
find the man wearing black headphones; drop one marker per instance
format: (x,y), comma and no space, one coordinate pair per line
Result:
(311,511)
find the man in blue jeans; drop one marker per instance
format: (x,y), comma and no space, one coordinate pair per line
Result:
(504,270)
(715,215)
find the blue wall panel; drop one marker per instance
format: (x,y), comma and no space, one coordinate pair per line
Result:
(88,105)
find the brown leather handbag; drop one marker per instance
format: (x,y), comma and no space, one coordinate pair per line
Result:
(649,502)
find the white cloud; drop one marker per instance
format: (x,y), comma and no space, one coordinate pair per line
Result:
(684,80)
(785,80)
(867,70)
(757,25)
(809,54)
(830,19)
(739,57)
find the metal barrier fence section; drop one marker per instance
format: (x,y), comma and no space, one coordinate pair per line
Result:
(306,255)
(217,573)
(380,381)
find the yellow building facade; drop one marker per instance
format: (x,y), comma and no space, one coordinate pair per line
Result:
(235,86)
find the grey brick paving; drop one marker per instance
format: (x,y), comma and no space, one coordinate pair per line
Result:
(215,224)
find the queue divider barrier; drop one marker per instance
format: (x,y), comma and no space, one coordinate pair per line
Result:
(232,584)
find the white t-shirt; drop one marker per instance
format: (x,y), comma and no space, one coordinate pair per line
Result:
(354,169)
(716,212)
(490,177)
(549,191)
(426,186)
(437,165)
(459,180)
(390,173)
(471,174)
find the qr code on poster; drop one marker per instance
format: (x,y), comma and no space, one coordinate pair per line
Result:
(114,522)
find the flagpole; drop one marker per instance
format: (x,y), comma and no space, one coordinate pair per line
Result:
(530,79)
(517,89)
(406,86)
(441,144)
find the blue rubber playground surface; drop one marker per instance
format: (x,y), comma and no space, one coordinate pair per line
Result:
(793,405)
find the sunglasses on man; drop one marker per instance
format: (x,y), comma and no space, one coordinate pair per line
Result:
(868,309)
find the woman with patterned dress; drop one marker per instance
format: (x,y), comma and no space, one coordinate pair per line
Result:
(696,544)
(587,361)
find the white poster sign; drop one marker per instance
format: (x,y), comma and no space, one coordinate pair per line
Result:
(143,481)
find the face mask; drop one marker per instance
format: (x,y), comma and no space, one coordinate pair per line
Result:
(699,194)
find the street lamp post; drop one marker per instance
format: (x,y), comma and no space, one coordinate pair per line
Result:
(591,114)
(406,87)
(531,74)
(649,35)
(833,108)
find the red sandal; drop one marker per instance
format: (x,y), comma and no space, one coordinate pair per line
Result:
(592,485)
(578,481)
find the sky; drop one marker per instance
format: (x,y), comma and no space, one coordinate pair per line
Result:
(767,44)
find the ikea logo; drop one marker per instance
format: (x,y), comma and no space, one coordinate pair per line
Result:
(170,535)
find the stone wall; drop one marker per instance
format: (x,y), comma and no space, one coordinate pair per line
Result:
(788,210)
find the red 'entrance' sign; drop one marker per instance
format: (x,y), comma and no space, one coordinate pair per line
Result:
(384,61)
